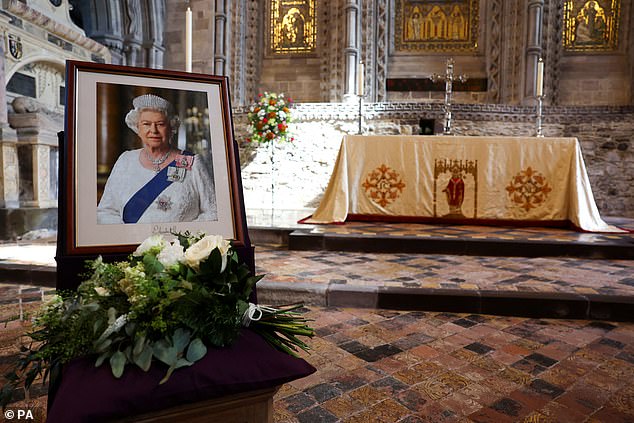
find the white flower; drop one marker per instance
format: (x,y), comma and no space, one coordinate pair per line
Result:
(171,254)
(155,241)
(281,114)
(203,248)
(261,113)
(101,291)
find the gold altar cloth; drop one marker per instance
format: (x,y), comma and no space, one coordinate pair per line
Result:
(460,178)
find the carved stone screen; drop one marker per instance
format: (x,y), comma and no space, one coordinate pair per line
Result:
(436,25)
(292,26)
(591,25)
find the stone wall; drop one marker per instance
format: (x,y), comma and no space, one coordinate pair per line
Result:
(303,168)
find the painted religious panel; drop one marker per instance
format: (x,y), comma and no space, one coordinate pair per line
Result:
(591,25)
(426,25)
(292,26)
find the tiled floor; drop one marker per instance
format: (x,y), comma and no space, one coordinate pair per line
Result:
(397,366)
(555,275)
(473,232)
(403,366)
(387,366)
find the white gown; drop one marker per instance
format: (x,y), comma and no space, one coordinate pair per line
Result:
(193,199)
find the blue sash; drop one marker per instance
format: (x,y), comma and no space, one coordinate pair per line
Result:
(141,200)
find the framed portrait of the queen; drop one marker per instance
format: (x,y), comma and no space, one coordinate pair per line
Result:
(146,151)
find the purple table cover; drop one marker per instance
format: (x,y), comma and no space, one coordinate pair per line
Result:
(89,394)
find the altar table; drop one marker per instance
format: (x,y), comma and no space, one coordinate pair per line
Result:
(499,180)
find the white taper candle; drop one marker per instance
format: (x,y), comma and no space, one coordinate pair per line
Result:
(539,84)
(360,76)
(188,40)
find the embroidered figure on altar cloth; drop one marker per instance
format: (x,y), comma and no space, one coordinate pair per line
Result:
(455,181)
(455,192)
(157,182)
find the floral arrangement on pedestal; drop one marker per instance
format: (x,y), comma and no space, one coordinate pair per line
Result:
(269,117)
(168,302)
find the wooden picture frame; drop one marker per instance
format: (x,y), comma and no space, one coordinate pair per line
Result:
(101,94)
(91,108)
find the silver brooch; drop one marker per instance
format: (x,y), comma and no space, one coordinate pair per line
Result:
(164,203)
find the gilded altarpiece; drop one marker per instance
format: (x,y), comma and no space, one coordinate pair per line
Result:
(591,25)
(436,25)
(292,26)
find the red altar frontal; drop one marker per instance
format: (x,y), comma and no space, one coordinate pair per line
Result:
(521,180)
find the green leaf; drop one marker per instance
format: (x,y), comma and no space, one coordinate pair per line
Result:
(139,344)
(151,265)
(144,359)
(130,327)
(182,363)
(117,364)
(181,338)
(102,358)
(196,350)
(168,374)
(104,345)
(112,315)
(165,352)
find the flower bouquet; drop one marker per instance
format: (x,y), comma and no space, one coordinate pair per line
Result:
(168,302)
(269,117)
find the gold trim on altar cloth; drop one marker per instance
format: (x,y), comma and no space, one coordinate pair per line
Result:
(423,25)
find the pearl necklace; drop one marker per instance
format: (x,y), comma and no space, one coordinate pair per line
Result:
(157,162)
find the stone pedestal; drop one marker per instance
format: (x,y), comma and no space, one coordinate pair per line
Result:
(9,172)
(37,151)
(28,173)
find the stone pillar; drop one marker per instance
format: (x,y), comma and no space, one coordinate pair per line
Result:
(352,50)
(37,140)
(9,173)
(220,44)
(533,47)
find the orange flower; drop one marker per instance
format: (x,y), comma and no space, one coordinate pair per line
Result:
(270,135)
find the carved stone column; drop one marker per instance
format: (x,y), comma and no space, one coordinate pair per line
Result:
(220,40)
(9,173)
(533,47)
(352,50)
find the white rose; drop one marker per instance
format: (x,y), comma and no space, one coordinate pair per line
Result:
(102,292)
(171,254)
(203,248)
(149,243)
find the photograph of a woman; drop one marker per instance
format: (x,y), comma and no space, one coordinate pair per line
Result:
(158,181)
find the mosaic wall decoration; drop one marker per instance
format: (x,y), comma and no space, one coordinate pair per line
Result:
(292,26)
(436,25)
(591,25)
